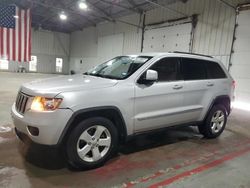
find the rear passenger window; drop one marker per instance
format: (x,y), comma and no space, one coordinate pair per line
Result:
(214,70)
(167,69)
(193,69)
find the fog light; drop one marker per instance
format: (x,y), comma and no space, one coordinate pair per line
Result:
(34,131)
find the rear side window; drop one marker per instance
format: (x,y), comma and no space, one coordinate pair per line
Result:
(214,70)
(193,69)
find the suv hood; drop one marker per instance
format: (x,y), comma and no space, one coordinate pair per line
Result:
(51,87)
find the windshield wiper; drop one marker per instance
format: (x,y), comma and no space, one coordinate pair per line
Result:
(109,76)
(91,74)
(101,75)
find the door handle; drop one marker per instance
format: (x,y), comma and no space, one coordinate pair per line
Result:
(210,84)
(177,87)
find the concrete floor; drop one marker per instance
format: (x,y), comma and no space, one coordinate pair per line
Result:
(176,158)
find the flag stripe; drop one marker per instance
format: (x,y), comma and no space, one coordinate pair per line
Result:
(29,51)
(8,43)
(22,35)
(4,43)
(19,35)
(16,33)
(13,45)
(1,45)
(25,36)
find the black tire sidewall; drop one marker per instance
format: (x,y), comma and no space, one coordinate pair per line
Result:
(207,129)
(71,148)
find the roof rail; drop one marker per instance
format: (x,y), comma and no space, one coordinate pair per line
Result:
(192,54)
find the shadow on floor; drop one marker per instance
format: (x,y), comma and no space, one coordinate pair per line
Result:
(42,156)
(53,159)
(153,140)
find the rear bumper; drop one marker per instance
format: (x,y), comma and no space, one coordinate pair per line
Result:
(50,125)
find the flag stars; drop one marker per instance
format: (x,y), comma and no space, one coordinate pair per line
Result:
(7,16)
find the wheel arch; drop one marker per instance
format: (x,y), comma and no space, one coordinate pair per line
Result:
(110,112)
(224,100)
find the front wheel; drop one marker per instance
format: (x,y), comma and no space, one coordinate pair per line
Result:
(215,122)
(92,143)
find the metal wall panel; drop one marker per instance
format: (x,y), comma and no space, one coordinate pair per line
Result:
(110,46)
(240,69)
(213,33)
(48,46)
(85,44)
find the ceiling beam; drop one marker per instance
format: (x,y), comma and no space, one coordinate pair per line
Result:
(70,11)
(132,9)
(53,27)
(227,3)
(133,4)
(166,7)
(99,10)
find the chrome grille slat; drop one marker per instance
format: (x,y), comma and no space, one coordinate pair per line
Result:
(21,102)
(18,100)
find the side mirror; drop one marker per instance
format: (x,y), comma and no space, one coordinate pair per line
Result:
(149,77)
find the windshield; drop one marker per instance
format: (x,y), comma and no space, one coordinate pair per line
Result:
(119,68)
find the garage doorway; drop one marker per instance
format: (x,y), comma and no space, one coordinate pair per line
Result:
(240,59)
(164,38)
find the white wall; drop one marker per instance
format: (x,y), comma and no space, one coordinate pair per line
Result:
(84,44)
(213,34)
(47,46)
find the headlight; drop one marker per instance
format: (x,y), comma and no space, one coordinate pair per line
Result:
(45,104)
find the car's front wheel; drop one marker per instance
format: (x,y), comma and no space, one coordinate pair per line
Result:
(92,143)
(215,122)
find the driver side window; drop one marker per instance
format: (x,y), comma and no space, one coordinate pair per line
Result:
(167,69)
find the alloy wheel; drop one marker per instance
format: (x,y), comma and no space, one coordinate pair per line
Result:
(94,143)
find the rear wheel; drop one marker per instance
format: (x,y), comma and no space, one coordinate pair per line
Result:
(92,143)
(215,122)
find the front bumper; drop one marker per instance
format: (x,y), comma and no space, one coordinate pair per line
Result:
(50,124)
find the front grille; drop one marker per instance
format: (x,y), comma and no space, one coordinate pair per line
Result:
(21,102)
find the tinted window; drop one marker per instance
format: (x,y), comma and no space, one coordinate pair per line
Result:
(214,70)
(193,69)
(167,69)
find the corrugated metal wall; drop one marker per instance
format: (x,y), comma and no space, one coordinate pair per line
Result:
(213,34)
(84,44)
(214,31)
(47,46)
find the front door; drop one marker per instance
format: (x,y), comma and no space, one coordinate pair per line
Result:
(161,103)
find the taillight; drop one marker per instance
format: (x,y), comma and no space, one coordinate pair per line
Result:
(233,84)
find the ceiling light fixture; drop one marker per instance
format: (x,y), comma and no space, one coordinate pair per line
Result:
(63,16)
(82,5)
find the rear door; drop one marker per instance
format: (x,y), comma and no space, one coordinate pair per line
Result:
(203,81)
(196,87)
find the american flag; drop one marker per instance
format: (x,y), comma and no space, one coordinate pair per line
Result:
(15,33)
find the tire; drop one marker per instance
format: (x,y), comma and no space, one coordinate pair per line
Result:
(215,122)
(91,143)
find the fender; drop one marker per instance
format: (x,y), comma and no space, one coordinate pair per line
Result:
(222,99)
(96,111)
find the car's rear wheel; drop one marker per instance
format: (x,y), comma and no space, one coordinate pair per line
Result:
(92,143)
(215,122)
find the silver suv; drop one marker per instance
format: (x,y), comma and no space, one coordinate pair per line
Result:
(91,114)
